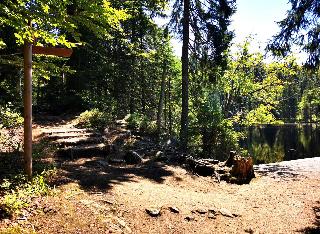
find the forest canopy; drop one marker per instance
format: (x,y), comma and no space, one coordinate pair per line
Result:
(124,64)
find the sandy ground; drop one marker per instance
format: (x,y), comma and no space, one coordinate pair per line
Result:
(284,198)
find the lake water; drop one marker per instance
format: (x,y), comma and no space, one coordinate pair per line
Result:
(267,143)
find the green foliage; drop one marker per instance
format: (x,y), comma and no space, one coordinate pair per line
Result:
(142,123)
(18,191)
(126,63)
(9,118)
(265,154)
(261,115)
(217,135)
(309,106)
(134,121)
(17,230)
(253,89)
(93,119)
(52,21)
(300,27)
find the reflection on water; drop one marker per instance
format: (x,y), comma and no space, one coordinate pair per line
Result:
(269,144)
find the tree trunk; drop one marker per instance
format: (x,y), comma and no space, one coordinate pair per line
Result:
(161,100)
(141,72)
(28,108)
(185,76)
(170,107)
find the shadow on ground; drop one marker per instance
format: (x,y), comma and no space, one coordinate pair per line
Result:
(276,171)
(315,229)
(96,174)
(46,119)
(90,173)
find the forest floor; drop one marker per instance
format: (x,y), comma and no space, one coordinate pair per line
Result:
(91,196)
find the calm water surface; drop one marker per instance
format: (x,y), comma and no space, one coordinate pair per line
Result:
(269,144)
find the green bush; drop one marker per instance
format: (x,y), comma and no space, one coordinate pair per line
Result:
(141,123)
(134,121)
(212,135)
(18,191)
(10,118)
(309,106)
(93,119)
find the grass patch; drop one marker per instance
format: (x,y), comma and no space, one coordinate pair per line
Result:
(17,230)
(19,191)
(16,191)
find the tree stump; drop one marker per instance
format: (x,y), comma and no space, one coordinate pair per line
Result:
(242,168)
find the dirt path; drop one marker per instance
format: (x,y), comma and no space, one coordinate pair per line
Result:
(103,199)
(93,196)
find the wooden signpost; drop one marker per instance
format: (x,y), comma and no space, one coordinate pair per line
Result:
(61,52)
(27,97)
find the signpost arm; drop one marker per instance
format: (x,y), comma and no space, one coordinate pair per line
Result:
(27,100)
(27,95)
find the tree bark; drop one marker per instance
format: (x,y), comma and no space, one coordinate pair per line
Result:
(185,77)
(28,108)
(161,100)
(170,107)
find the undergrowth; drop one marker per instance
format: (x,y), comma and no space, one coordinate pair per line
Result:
(16,191)
(17,230)
(93,118)
(19,191)
(142,123)
(9,117)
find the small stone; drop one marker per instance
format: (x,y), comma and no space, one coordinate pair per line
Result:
(132,157)
(174,209)
(213,210)
(22,218)
(153,212)
(123,224)
(201,211)
(108,202)
(249,230)
(189,218)
(211,215)
(226,213)
(49,209)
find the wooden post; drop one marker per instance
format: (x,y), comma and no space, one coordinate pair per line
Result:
(27,101)
(27,94)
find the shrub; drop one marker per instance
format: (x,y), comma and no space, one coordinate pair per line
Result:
(134,121)
(10,118)
(18,191)
(141,123)
(93,119)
